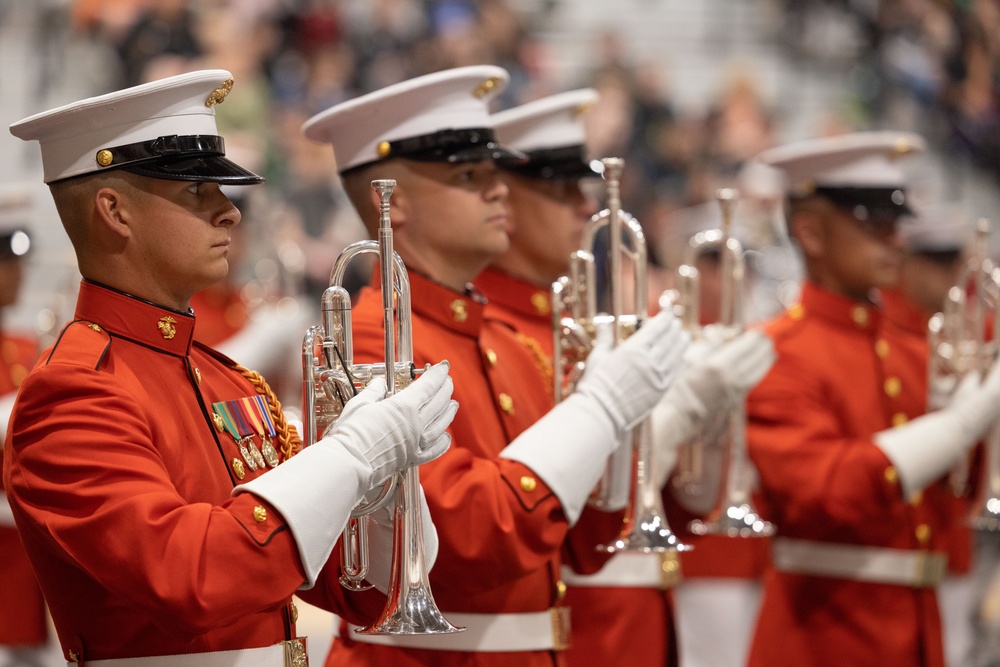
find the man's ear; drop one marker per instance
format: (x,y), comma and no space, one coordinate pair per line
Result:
(807,228)
(113,211)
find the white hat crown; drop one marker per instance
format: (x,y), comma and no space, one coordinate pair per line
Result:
(362,129)
(81,137)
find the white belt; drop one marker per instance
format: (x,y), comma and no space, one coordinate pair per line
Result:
(918,569)
(488,633)
(631,570)
(286,654)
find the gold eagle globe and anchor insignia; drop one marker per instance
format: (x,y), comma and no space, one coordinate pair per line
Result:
(166,327)
(218,95)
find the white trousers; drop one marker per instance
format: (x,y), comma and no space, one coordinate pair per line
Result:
(715,620)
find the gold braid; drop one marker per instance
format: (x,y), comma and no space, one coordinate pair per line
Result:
(542,361)
(291,444)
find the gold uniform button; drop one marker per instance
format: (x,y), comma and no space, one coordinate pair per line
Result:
(105,157)
(506,403)
(491,357)
(882,348)
(796,311)
(560,589)
(891,475)
(541,302)
(916,498)
(95,327)
(383,149)
(260,514)
(923,533)
(892,387)
(528,483)
(860,316)
(238,468)
(899,419)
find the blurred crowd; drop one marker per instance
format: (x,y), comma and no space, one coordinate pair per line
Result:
(921,65)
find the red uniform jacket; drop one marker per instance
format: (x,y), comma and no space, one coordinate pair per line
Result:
(220,311)
(121,487)
(626,626)
(22,609)
(841,376)
(500,528)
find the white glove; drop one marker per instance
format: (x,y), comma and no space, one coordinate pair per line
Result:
(405,430)
(924,449)
(710,384)
(630,379)
(380,530)
(316,490)
(568,447)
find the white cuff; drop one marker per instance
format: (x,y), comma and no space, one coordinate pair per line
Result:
(923,449)
(315,492)
(568,449)
(671,429)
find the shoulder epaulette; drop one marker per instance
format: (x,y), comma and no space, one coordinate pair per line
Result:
(80,344)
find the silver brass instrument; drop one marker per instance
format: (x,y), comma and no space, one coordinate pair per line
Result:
(959,343)
(575,322)
(732,513)
(330,379)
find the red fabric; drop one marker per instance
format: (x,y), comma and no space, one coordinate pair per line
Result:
(120,485)
(811,423)
(220,312)
(22,609)
(499,544)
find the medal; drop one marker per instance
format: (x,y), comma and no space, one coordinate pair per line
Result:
(228,413)
(260,417)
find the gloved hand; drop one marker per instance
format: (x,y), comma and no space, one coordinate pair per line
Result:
(717,375)
(630,379)
(568,448)
(925,448)
(402,431)
(316,490)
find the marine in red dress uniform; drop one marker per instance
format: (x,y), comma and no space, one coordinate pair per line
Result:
(503,509)
(153,532)
(850,472)
(549,210)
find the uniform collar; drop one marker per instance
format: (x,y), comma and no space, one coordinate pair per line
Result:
(903,313)
(841,310)
(515,294)
(460,312)
(143,322)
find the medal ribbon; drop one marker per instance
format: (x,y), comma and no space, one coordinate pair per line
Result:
(260,410)
(222,410)
(249,409)
(235,408)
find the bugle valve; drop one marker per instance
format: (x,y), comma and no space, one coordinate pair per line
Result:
(330,379)
(629,472)
(732,512)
